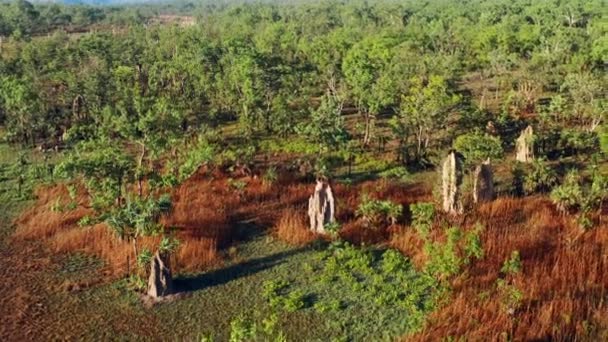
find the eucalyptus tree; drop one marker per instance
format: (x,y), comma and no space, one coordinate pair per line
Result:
(423,114)
(370,84)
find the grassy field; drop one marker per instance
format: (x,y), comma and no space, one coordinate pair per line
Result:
(63,296)
(318,292)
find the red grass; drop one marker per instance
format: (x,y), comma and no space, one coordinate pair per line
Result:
(292,228)
(197,254)
(563,281)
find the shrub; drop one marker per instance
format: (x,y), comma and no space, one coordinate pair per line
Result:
(444,260)
(541,178)
(270,176)
(422,217)
(398,173)
(477,147)
(510,296)
(568,196)
(572,196)
(473,247)
(512,265)
(378,213)
(603,134)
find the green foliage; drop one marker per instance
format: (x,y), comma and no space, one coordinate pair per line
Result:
(398,173)
(144,258)
(138,217)
(541,177)
(86,221)
(327,306)
(244,329)
(603,134)
(477,147)
(387,280)
(512,265)
(201,153)
(473,248)
(326,125)
(279,296)
(511,297)
(168,245)
(423,215)
(446,260)
(104,166)
(422,112)
(568,196)
(573,195)
(236,184)
(270,175)
(378,213)
(333,228)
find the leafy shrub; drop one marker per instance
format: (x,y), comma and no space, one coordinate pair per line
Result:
(569,195)
(398,173)
(541,178)
(244,329)
(446,259)
(477,147)
(574,141)
(144,258)
(422,217)
(270,175)
(278,297)
(473,248)
(86,221)
(378,213)
(572,195)
(603,135)
(333,228)
(237,185)
(510,296)
(328,305)
(512,265)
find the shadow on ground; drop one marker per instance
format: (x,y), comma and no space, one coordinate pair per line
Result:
(225,275)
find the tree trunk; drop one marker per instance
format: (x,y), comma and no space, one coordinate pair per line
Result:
(367,136)
(140,175)
(135,249)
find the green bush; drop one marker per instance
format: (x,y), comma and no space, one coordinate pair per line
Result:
(270,175)
(398,173)
(541,177)
(573,195)
(569,195)
(446,259)
(512,265)
(477,147)
(422,217)
(378,213)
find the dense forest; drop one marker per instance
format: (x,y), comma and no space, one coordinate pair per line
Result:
(180,131)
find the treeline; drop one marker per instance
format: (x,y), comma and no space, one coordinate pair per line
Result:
(22,19)
(291,69)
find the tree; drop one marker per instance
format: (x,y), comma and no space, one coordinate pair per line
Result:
(326,125)
(423,112)
(22,107)
(588,103)
(138,217)
(370,84)
(477,147)
(105,167)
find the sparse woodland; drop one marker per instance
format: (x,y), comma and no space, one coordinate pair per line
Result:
(304,170)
